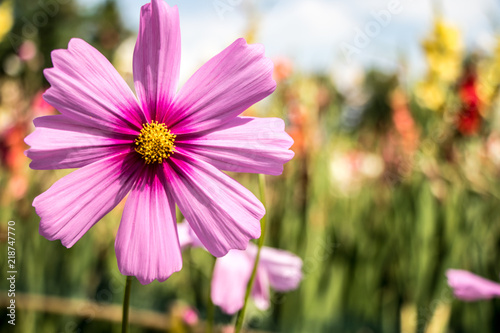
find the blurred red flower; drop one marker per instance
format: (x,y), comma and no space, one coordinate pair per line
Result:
(469,117)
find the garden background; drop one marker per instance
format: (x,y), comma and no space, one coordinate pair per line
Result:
(395,177)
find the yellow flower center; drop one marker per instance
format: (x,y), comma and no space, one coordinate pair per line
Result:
(155,143)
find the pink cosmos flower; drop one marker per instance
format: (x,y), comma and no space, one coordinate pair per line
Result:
(162,148)
(470,287)
(279,269)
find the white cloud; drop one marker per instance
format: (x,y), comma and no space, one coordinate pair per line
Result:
(474,18)
(306,31)
(203,36)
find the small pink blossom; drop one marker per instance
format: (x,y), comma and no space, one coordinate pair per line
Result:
(278,269)
(470,287)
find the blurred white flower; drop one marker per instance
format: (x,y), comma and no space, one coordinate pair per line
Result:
(350,170)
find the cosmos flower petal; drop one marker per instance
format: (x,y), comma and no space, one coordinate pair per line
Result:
(222,213)
(147,245)
(244,144)
(70,207)
(222,88)
(284,268)
(260,290)
(157,57)
(229,281)
(59,143)
(470,287)
(86,88)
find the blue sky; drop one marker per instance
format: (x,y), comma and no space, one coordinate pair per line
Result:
(311,32)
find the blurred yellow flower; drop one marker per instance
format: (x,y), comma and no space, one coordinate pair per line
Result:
(447,36)
(430,95)
(443,50)
(446,67)
(444,53)
(6,19)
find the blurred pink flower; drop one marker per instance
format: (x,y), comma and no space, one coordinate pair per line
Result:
(470,287)
(404,123)
(278,269)
(12,157)
(40,107)
(283,68)
(17,186)
(190,316)
(27,50)
(227,329)
(12,146)
(163,147)
(187,237)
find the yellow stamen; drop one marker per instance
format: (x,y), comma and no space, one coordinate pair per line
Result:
(155,143)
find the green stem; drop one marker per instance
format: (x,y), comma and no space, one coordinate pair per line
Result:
(210,304)
(241,314)
(126,303)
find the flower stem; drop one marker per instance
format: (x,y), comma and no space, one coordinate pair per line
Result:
(126,303)
(210,304)
(241,314)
